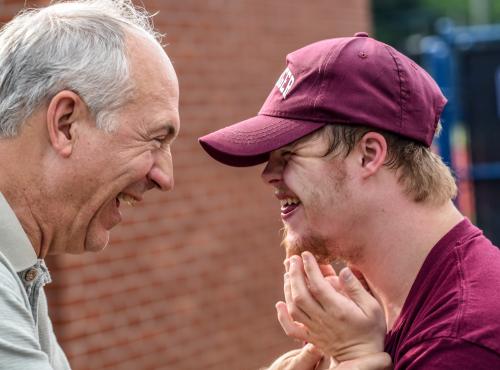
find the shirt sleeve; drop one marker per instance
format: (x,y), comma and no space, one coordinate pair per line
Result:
(19,345)
(448,353)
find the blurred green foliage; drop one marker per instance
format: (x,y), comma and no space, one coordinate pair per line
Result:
(396,20)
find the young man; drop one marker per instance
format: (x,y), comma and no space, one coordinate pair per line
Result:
(346,133)
(88,111)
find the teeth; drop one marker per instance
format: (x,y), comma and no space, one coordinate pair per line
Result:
(127,199)
(289,201)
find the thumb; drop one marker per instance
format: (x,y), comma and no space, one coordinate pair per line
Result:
(307,359)
(354,289)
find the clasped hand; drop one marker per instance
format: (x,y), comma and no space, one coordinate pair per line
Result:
(334,313)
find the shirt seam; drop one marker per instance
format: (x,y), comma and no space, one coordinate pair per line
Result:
(462,299)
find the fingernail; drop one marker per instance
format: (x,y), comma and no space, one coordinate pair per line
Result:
(346,274)
(293,260)
(306,256)
(286,276)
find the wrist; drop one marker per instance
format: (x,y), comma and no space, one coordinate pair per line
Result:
(350,353)
(374,361)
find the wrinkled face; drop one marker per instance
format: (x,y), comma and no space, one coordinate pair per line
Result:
(314,192)
(119,167)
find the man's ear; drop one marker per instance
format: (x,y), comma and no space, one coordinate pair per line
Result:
(65,109)
(373,151)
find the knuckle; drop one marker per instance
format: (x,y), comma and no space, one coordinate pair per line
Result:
(341,315)
(300,300)
(315,289)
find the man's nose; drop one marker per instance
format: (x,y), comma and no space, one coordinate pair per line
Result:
(273,171)
(161,174)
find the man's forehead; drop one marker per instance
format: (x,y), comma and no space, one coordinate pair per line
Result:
(314,138)
(311,138)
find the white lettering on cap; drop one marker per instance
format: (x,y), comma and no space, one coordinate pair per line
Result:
(285,82)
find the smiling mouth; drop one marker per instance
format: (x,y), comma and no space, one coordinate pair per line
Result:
(289,204)
(127,199)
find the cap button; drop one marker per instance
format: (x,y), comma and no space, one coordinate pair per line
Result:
(31,274)
(361,34)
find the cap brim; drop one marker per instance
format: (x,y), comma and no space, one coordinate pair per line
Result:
(249,142)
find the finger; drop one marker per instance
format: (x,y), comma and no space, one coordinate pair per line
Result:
(334,282)
(327,270)
(359,275)
(287,264)
(326,363)
(300,294)
(290,327)
(307,358)
(284,360)
(355,290)
(287,290)
(296,312)
(319,287)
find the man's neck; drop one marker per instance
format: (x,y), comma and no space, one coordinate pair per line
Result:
(393,258)
(17,183)
(22,209)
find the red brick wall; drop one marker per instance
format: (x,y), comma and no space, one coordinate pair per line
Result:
(191,277)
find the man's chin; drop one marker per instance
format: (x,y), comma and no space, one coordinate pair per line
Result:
(97,242)
(315,245)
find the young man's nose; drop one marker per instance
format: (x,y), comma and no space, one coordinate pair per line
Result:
(272,173)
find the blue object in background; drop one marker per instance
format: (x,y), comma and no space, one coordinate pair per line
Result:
(465,62)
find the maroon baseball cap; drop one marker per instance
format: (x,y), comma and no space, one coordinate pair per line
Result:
(352,80)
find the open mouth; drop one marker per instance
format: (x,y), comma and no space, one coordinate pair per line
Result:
(127,199)
(288,205)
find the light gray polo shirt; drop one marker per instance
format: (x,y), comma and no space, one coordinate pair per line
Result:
(27,340)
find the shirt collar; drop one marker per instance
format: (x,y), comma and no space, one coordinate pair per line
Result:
(14,243)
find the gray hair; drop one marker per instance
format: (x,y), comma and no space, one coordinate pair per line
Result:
(76,45)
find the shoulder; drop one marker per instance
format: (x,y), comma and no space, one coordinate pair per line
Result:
(458,300)
(15,309)
(9,280)
(14,301)
(479,268)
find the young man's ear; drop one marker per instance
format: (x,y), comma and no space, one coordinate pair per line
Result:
(64,110)
(373,151)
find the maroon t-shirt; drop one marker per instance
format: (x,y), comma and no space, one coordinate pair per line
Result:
(451,317)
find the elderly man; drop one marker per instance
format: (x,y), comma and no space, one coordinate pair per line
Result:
(346,133)
(88,112)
